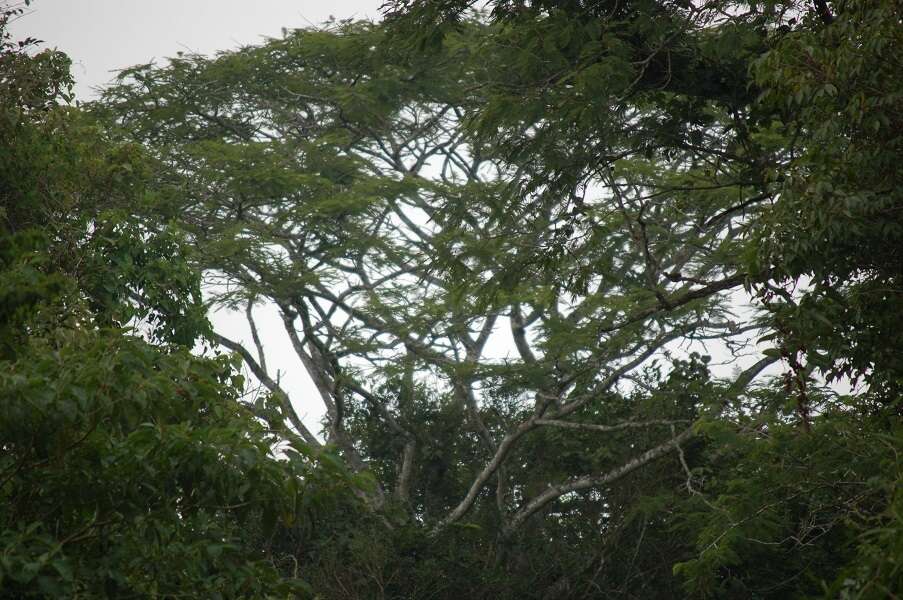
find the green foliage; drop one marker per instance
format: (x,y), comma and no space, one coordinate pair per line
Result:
(790,512)
(128,466)
(129,471)
(838,222)
(62,180)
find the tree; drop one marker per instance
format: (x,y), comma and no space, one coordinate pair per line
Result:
(494,255)
(332,176)
(128,466)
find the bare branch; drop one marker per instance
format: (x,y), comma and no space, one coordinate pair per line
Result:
(261,357)
(590,481)
(278,393)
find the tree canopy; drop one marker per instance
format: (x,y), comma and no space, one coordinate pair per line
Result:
(599,299)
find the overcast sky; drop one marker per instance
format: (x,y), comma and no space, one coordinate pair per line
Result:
(102,36)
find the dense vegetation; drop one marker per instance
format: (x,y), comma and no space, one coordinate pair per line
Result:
(600,300)
(128,467)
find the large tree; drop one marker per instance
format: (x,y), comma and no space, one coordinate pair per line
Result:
(328,175)
(493,255)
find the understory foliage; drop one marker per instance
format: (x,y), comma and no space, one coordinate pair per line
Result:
(598,299)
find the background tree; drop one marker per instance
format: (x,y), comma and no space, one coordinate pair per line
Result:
(128,466)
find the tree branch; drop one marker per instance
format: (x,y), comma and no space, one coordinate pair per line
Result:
(590,481)
(260,354)
(608,428)
(278,393)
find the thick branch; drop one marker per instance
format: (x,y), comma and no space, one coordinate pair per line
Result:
(254,335)
(500,454)
(607,428)
(320,379)
(405,476)
(327,386)
(278,393)
(511,439)
(590,481)
(519,334)
(406,472)
(667,304)
(745,378)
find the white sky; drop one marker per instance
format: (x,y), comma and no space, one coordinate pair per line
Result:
(101,36)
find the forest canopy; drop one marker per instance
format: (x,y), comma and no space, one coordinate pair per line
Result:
(600,299)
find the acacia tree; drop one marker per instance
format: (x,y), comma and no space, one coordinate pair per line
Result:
(479,250)
(333,176)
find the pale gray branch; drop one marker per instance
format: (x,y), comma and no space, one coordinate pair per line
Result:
(278,393)
(608,428)
(590,481)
